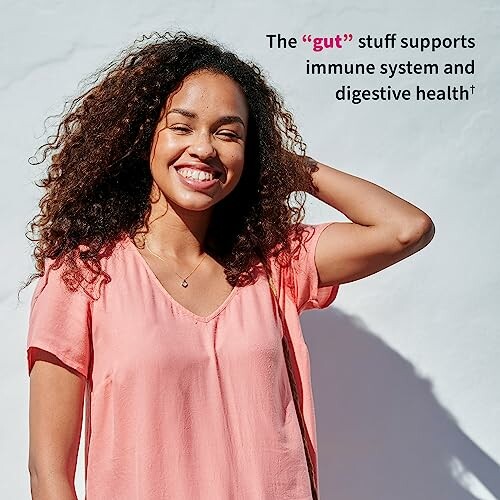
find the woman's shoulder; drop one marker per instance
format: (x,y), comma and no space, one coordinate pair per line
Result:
(78,271)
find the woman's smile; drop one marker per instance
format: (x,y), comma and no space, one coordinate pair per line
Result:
(189,179)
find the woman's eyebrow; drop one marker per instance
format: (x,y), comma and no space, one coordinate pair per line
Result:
(221,121)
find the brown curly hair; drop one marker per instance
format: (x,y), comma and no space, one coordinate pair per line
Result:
(98,183)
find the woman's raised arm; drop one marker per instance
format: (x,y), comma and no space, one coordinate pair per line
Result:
(384,229)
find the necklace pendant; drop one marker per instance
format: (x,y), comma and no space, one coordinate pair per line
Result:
(184,283)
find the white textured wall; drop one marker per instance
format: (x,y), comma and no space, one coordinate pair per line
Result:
(405,364)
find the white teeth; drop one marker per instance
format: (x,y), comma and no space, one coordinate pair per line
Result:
(195,174)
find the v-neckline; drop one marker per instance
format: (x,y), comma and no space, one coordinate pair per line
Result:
(157,283)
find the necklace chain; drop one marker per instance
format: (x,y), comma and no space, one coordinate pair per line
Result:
(184,282)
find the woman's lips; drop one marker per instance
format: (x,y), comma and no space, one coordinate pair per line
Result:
(195,184)
(202,167)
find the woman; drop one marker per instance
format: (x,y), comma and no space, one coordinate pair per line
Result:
(164,237)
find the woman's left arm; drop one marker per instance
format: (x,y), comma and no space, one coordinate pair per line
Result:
(384,229)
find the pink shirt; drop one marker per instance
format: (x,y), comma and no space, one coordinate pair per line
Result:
(180,406)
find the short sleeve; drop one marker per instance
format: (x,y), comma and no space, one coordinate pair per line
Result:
(304,279)
(59,321)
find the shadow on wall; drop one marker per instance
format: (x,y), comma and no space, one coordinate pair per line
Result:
(382,434)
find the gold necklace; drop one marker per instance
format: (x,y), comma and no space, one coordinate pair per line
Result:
(184,283)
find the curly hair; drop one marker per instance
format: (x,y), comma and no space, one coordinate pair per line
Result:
(98,184)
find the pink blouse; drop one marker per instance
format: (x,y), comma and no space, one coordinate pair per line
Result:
(181,406)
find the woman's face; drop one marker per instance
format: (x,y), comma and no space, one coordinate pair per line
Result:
(204,128)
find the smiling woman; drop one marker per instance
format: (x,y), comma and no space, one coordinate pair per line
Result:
(173,269)
(167,204)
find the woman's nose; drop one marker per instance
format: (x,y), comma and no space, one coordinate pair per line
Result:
(202,145)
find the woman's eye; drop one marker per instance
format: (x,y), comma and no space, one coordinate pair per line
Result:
(227,134)
(182,129)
